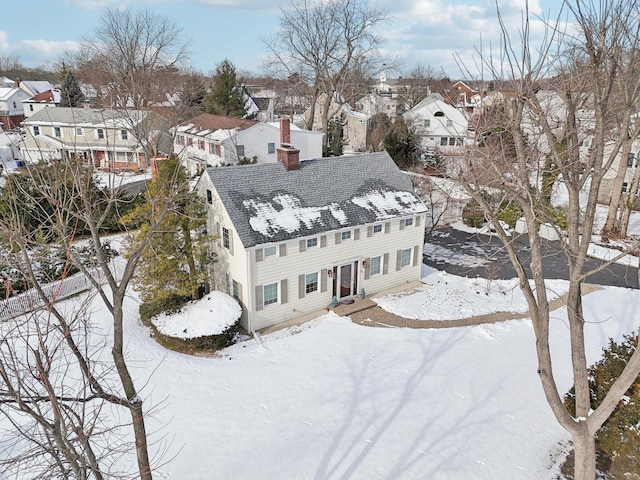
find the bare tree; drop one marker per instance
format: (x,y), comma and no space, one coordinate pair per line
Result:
(546,119)
(70,426)
(130,57)
(324,43)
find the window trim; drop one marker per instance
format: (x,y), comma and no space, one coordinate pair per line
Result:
(402,257)
(308,284)
(348,233)
(79,132)
(209,197)
(226,238)
(274,254)
(408,222)
(57,132)
(377,225)
(36,130)
(371,260)
(274,299)
(271,147)
(314,241)
(124,134)
(100,133)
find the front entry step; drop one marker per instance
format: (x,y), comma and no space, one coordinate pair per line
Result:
(358,305)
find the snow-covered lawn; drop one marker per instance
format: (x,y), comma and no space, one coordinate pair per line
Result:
(448,297)
(332,399)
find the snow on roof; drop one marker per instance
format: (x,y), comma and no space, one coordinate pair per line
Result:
(286,213)
(268,204)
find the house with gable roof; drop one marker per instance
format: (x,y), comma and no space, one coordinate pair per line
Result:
(108,139)
(11,110)
(212,140)
(46,99)
(294,235)
(442,127)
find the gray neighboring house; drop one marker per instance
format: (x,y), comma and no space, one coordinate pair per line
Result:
(294,234)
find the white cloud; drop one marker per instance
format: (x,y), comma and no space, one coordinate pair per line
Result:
(4,41)
(430,32)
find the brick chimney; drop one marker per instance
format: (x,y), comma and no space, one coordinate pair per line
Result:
(287,155)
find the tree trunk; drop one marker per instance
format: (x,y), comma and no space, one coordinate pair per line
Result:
(616,193)
(584,448)
(135,402)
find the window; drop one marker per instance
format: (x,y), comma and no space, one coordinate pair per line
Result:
(311,282)
(630,159)
(444,141)
(124,135)
(14,105)
(427,123)
(209,197)
(235,290)
(100,133)
(625,187)
(345,235)
(79,131)
(377,228)
(57,132)
(408,222)
(405,258)
(36,130)
(269,251)
(201,144)
(374,265)
(312,242)
(270,294)
(216,149)
(31,107)
(452,141)
(449,123)
(226,241)
(240,150)
(271,147)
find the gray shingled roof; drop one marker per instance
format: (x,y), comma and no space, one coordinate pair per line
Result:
(83,116)
(268,204)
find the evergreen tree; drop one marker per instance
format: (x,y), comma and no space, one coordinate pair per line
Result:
(70,93)
(401,143)
(335,136)
(174,265)
(226,95)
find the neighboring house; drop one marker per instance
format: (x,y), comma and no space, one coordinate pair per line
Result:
(378,103)
(50,98)
(294,235)
(442,127)
(265,103)
(355,127)
(633,163)
(444,198)
(11,111)
(212,140)
(109,139)
(465,97)
(34,87)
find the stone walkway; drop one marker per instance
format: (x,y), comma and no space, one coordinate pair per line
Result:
(377,317)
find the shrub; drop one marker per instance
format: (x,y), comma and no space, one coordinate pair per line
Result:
(209,343)
(509,212)
(472,214)
(171,303)
(618,440)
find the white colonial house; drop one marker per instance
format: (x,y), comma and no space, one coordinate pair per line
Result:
(442,127)
(213,140)
(108,139)
(295,235)
(11,111)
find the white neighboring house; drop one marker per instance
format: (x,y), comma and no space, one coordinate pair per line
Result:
(295,234)
(50,98)
(11,111)
(212,140)
(442,127)
(444,198)
(34,87)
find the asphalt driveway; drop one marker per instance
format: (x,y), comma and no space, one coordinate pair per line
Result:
(471,255)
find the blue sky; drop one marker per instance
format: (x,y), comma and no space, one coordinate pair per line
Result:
(426,32)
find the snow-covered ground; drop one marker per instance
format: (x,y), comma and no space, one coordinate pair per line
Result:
(332,399)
